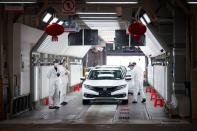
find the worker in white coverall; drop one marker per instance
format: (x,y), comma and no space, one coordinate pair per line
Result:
(54,86)
(138,78)
(64,75)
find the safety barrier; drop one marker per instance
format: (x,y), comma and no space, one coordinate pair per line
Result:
(77,87)
(20,104)
(148,89)
(153,96)
(46,101)
(158,100)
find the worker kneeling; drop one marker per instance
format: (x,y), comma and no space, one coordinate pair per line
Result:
(54,86)
(137,80)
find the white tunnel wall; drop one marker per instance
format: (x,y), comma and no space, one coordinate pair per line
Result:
(76,72)
(44,81)
(36,83)
(41,82)
(24,38)
(150,75)
(160,80)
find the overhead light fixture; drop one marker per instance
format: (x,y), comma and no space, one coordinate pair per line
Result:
(97,20)
(147,19)
(60,22)
(47,17)
(111,1)
(143,21)
(18,1)
(55,19)
(98,17)
(192,1)
(95,13)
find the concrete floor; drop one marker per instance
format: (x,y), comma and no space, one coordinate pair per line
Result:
(107,116)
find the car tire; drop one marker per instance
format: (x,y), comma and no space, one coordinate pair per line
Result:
(124,102)
(86,102)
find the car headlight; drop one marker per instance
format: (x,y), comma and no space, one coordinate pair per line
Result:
(121,87)
(88,87)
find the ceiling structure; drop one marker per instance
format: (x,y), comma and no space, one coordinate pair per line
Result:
(110,17)
(61,47)
(119,17)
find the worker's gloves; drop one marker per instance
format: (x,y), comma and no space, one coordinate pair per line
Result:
(58,74)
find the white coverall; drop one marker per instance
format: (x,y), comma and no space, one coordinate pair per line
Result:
(130,82)
(138,78)
(54,86)
(64,83)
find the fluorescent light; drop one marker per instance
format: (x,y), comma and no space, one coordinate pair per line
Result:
(100,20)
(142,20)
(55,19)
(47,17)
(192,2)
(111,1)
(17,2)
(96,13)
(147,19)
(60,22)
(98,17)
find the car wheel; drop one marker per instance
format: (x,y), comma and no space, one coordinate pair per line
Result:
(86,102)
(124,102)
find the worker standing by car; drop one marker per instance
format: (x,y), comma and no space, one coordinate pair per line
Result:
(54,85)
(64,75)
(138,79)
(130,82)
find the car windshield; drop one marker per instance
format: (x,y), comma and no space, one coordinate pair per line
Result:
(105,75)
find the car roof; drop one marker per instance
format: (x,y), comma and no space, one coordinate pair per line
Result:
(105,68)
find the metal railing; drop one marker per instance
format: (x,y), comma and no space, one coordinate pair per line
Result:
(20,104)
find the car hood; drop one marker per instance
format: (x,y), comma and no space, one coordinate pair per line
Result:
(105,82)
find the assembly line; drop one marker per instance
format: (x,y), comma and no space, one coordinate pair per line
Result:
(109,94)
(98,63)
(96,113)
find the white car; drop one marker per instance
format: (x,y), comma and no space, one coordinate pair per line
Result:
(122,68)
(105,84)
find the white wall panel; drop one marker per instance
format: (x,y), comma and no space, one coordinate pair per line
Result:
(36,84)
(44,81)
(150,75)
(27,37)
(76,73)
(41,82)
(160,80)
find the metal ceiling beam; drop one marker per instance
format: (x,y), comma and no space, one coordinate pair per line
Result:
(183,7)
(148,6)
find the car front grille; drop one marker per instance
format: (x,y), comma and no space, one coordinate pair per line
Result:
(105,89)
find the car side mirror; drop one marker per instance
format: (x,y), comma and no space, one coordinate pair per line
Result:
(127,78)
(82,78)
